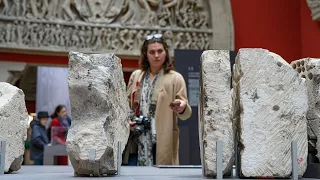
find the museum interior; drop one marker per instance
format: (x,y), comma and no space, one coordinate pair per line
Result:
(36,37)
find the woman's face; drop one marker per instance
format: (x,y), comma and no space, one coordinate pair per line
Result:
(156,55)
(62,112)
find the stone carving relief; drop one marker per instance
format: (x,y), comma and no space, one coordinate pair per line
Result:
(314,6)
(118,26)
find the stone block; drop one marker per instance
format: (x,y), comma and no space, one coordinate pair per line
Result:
(309,69)
(215,110)
(13,125)
(270,101)
(100,112)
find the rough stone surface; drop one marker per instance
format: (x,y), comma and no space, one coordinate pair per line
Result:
(215,114)
(309,68)
(100,112)
(271,104)
(13,125)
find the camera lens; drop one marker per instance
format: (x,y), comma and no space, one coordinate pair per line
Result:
(139,130)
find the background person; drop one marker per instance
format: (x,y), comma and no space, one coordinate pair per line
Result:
(59,129)
(39,137)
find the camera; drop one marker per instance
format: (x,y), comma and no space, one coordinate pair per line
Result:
(143,124)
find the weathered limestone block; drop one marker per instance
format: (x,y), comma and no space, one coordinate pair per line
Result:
(309,68)
(13,125)
(215,114)
(100,112)
(271,104)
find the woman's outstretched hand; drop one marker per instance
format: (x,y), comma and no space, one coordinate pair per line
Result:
(178,105)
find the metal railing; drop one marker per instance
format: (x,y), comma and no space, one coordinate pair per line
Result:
(2,155)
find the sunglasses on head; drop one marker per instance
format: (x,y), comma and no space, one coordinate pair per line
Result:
(154,36)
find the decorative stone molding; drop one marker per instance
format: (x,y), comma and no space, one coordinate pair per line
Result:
(314,6)
(117,26)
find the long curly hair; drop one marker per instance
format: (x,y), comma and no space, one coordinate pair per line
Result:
(57,110)
(144,63)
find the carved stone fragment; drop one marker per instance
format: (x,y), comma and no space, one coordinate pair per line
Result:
(314,6)
(13,125)
(97,25)
(309,69)
(270,106)
(100,112)
(215,110)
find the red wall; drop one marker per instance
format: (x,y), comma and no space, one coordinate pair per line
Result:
(52,60)
(31,106)
(270,24)
(281,26)
(310,33)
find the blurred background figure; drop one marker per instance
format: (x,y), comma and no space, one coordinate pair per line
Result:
(58,130)
(39,137)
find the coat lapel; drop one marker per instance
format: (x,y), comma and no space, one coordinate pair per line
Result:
(136,92)
(158,87)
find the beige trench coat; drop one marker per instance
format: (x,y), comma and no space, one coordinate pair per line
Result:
(174,87)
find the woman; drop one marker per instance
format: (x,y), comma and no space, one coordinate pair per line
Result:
(157,92)
(58,130)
